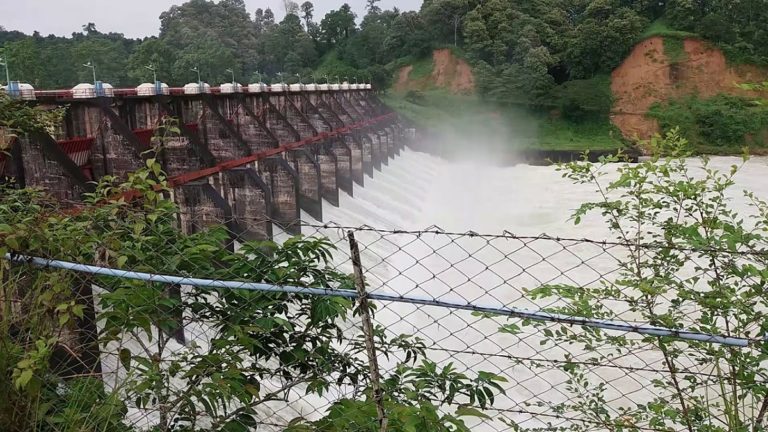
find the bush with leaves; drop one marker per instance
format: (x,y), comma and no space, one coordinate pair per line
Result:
(716,123)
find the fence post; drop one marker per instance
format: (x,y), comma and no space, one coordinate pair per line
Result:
(373,363)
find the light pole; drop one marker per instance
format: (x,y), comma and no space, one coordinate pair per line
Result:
(280,75)
(338,81)
(154,71)
(197,70)
(355,78)
(233,75)
(298,75)
(327,80)
(92,67)
(4,63)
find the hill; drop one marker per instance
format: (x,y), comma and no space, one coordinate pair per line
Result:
(662,69)
(444,70)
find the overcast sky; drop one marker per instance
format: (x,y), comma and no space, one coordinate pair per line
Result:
(134,18)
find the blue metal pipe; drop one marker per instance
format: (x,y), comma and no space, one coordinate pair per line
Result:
(504,311)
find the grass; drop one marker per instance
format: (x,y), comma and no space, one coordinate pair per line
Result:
(455,50)
(673,39)
(439,107)
(660,27)
(560,134)
(476,121)
(422,68)
(674,50)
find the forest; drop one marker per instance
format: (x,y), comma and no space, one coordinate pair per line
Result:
(542,55)
(520,50)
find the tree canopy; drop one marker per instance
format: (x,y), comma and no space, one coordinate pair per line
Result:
(520,50)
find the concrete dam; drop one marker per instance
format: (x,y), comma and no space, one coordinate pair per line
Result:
(249,156)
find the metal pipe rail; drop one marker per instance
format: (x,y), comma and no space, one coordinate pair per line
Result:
(535,315)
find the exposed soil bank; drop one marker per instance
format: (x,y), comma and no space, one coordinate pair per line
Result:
(648,76)
(448,72)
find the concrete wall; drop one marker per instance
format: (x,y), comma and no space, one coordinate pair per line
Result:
(283,181)
(308,174)
(43,171)
(221,128)
(251,201)
(343,153)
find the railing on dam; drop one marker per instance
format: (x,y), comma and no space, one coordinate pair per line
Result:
(504,332)
(269,153)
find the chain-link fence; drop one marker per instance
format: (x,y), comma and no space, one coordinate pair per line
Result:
(426,329)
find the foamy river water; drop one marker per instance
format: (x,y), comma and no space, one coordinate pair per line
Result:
(418,191)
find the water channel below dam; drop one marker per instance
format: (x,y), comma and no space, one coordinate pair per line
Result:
(405,254)
(419,191)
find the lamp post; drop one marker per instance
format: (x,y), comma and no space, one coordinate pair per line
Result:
(233,75)
(199,81)
(298,75)
(92,67)
(280,75)
(154,71)
(338,81)
(4,63)
(327,80)
(197,70)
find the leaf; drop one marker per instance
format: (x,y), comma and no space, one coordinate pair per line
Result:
(469,411)
(510,328)
(125,358)
(121,261)
(12,243)
(24,378)
(234,426)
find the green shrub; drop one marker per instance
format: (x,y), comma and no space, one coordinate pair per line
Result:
(721,121)
(579,100)
(674,49)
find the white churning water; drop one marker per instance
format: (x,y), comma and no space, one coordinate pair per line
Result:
(417,191)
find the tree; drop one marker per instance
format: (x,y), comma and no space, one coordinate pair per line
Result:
(110,58)
(372,7)
(445,16)
(290,48)
(269,16)
(210,57)
(290,7)
(602,39)
(307,9)
(25,61)
(338,25)
(154,52)
(90,29)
